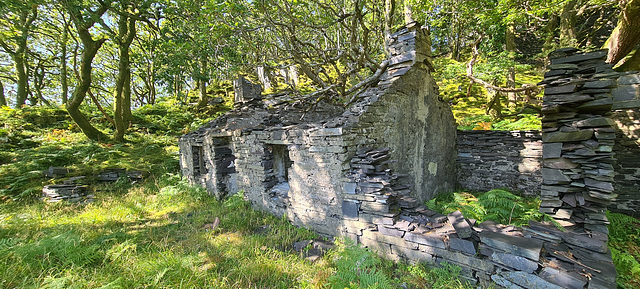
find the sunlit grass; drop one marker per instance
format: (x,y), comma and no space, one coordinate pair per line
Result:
(141,239)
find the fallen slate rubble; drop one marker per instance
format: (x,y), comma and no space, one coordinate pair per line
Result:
(74,191)
(68,192)
(381,215)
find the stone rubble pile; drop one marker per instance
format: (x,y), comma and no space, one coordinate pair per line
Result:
(578,138)
(72,190)
(67,192)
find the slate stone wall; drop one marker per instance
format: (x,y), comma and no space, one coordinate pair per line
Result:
(405,114)
(627,161)
(490,160)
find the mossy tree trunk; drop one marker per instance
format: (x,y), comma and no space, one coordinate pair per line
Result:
(122,101)
(90,48)
(626,35)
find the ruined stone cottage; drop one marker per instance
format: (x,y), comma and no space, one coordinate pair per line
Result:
(306,163)
(363,171)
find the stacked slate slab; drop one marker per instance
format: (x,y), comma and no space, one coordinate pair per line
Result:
(578,137)
(67,192)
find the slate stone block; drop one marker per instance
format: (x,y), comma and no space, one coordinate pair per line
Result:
(605,186)
(629,79)
(462,245)
(430,239)
(568,66)
(554,176)
(580,57)
(603,104)
(595,122)
(603,83)
(586,242)
(390,231)
(349,188)
(413,255)
(528,280)
(350,208)
(524,247)
(515,262)
(560,136)
(568,88)
(560,163)
(461,259)
(551,150)
(460,224)
(626,92)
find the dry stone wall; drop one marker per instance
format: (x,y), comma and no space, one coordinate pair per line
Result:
(489,160)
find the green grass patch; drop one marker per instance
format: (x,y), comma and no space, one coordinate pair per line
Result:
(151,236)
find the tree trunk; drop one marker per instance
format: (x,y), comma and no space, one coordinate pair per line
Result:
(63,66)
(626,35)
(90,48)
(408,13)
(22,81)
(202,84)
(550,30)
(567,24)
(511,74)
(389,7)
(122,110)
(19,56)
(3,100)
(632,63)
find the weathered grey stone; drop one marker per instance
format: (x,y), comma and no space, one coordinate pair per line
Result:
(524,247)
(586,242)
(602,104)
(629,79)
(462,245)
(375,219)
(626,104)
(349,188)
(390,231)
(602,83)
(460,259)
(605,186)
(430,239)
(568,88)
(504,282)
(551,150)
(350,208)
(414,255)
(562,66)
(567,136)
(579,57)
(562,278)
(379,237)
(515,262)
(460,224)
(554,176)
(528,280)
(560,163)
(626,92)
(595,122)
